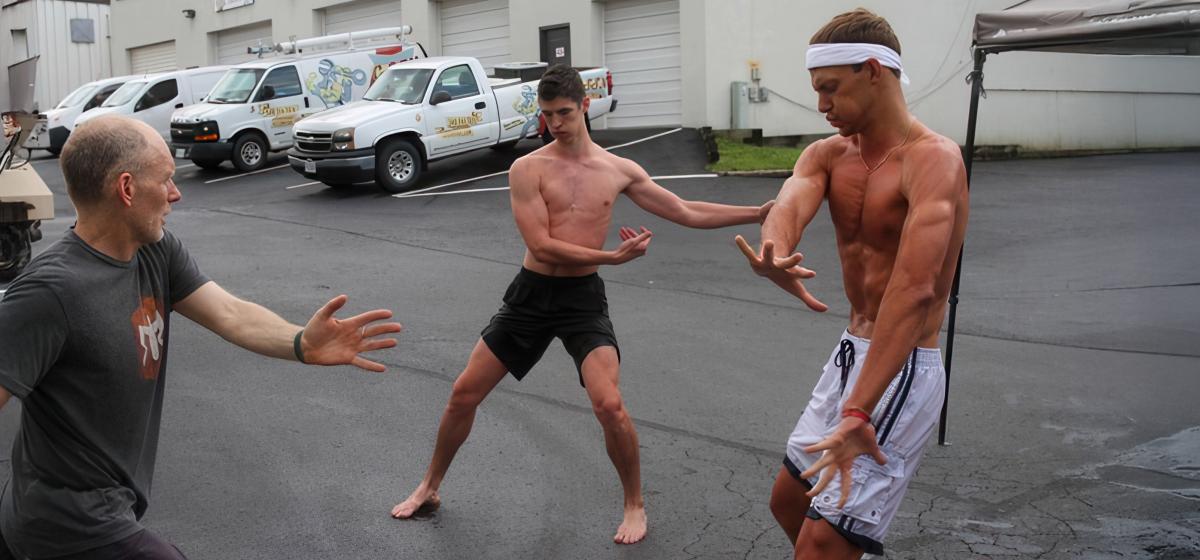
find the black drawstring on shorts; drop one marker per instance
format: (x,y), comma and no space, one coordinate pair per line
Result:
(845,360)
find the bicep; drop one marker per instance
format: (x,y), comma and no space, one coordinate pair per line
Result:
(935,191)
(33,332)
(802,193)
(651,196)
(528,206)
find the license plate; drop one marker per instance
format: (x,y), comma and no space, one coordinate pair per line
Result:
(310,166)
(180,152)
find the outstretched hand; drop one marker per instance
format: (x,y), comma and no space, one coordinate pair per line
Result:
(633,244)
(331,341)
(785,272)
(853,437)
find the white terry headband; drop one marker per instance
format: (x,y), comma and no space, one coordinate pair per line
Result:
(844,54)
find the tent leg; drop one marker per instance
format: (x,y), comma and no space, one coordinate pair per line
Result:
(976,79)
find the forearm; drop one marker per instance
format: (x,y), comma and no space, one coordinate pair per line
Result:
(260,330)
(558,252)
(783,228)
(896,333)
(708,215)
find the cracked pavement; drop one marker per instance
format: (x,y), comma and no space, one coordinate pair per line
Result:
(1073,429)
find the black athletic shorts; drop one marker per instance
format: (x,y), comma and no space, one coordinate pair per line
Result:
(537,308)
(142,545)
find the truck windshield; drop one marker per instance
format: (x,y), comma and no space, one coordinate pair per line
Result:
(406,85)
(125,94)
(235,86)
(79,96)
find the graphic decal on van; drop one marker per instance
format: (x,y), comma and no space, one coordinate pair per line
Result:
(385,58)
(527,106)
(333,83)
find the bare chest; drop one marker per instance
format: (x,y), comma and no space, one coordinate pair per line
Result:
(578,192)
(867,208)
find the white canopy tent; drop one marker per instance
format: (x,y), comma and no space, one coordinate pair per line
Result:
(1129,27)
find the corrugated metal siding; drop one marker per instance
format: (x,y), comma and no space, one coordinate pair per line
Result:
(476,28)
(361,15)
(232,43)
(641,48)
(158,57)
(63,65)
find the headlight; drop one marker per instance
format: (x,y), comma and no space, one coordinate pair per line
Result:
(207,131)
(343,139)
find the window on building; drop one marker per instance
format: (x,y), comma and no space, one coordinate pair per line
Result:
(20,44)
(83,31)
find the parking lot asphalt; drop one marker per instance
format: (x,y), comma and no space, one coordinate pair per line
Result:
(1073,428)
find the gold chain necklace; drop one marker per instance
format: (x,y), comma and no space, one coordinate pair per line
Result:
(870,169)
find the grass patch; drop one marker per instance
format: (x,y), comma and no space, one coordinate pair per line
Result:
(736,156)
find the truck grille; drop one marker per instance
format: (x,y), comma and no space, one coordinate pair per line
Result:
(314,141)
(183,133)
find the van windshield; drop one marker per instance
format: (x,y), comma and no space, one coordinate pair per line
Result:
(406,85)
(79,96)
(125,94)
(235,86)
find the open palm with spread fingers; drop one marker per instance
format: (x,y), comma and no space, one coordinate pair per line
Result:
(328,340)
(852,438)
(633,244)
(785,272)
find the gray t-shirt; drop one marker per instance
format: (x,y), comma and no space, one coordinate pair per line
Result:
(83,344)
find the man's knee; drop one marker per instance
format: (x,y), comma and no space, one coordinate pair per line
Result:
(610,409)
(465,397)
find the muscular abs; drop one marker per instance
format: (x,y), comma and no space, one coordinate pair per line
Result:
(868,213)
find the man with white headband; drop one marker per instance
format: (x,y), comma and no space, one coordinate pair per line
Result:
(898,198)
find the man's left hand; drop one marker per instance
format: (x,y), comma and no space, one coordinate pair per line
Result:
(853,437)
(330,341)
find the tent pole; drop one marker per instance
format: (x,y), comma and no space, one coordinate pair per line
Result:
(976,79)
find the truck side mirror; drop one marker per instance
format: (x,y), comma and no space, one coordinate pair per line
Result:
(440,96)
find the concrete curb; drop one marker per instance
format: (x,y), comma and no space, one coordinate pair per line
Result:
(775,173)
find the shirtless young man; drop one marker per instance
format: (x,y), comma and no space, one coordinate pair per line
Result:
(562,200)
(898,198)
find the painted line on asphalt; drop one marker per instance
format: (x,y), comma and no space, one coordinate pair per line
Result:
(245,174)
(184,166)
(659,178)
(302,185)
(418,192)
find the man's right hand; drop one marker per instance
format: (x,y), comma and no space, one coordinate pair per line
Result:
(785,272)
(633,245)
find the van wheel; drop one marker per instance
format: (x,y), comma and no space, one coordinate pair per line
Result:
(207,163)
(250,152)
(397,166)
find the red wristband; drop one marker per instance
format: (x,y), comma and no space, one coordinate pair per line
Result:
(857,413)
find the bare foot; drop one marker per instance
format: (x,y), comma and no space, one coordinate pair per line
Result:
(421,499)
(633,527)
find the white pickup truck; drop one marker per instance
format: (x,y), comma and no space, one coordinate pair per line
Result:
(424,110)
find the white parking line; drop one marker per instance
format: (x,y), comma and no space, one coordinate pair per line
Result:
(184,166)
(434,188)
(245,174)
(659,178)
(302,185)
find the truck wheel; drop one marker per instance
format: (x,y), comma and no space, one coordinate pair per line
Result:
(397,166)
(15,250)
(250,152)
(207,163)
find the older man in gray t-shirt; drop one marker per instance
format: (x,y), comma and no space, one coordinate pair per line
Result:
(83,340)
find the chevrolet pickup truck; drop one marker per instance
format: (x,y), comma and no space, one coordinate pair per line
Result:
(424,110)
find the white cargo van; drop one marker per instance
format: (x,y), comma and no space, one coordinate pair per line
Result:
(54,126)
(250,112)
(153,97)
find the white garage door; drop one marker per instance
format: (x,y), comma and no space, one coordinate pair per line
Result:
(158,57)
(641,48)
(232,43)
(478,29)
(362,15)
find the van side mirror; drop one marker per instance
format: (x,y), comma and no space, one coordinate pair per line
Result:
(440,96)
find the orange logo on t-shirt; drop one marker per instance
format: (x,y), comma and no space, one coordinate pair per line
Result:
(148,326)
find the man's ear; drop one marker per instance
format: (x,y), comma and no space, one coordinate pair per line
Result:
(874,69)
(125,189)
(587,102)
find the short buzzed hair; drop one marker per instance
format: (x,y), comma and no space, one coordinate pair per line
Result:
(858,26)
(561,81)
(99,150)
